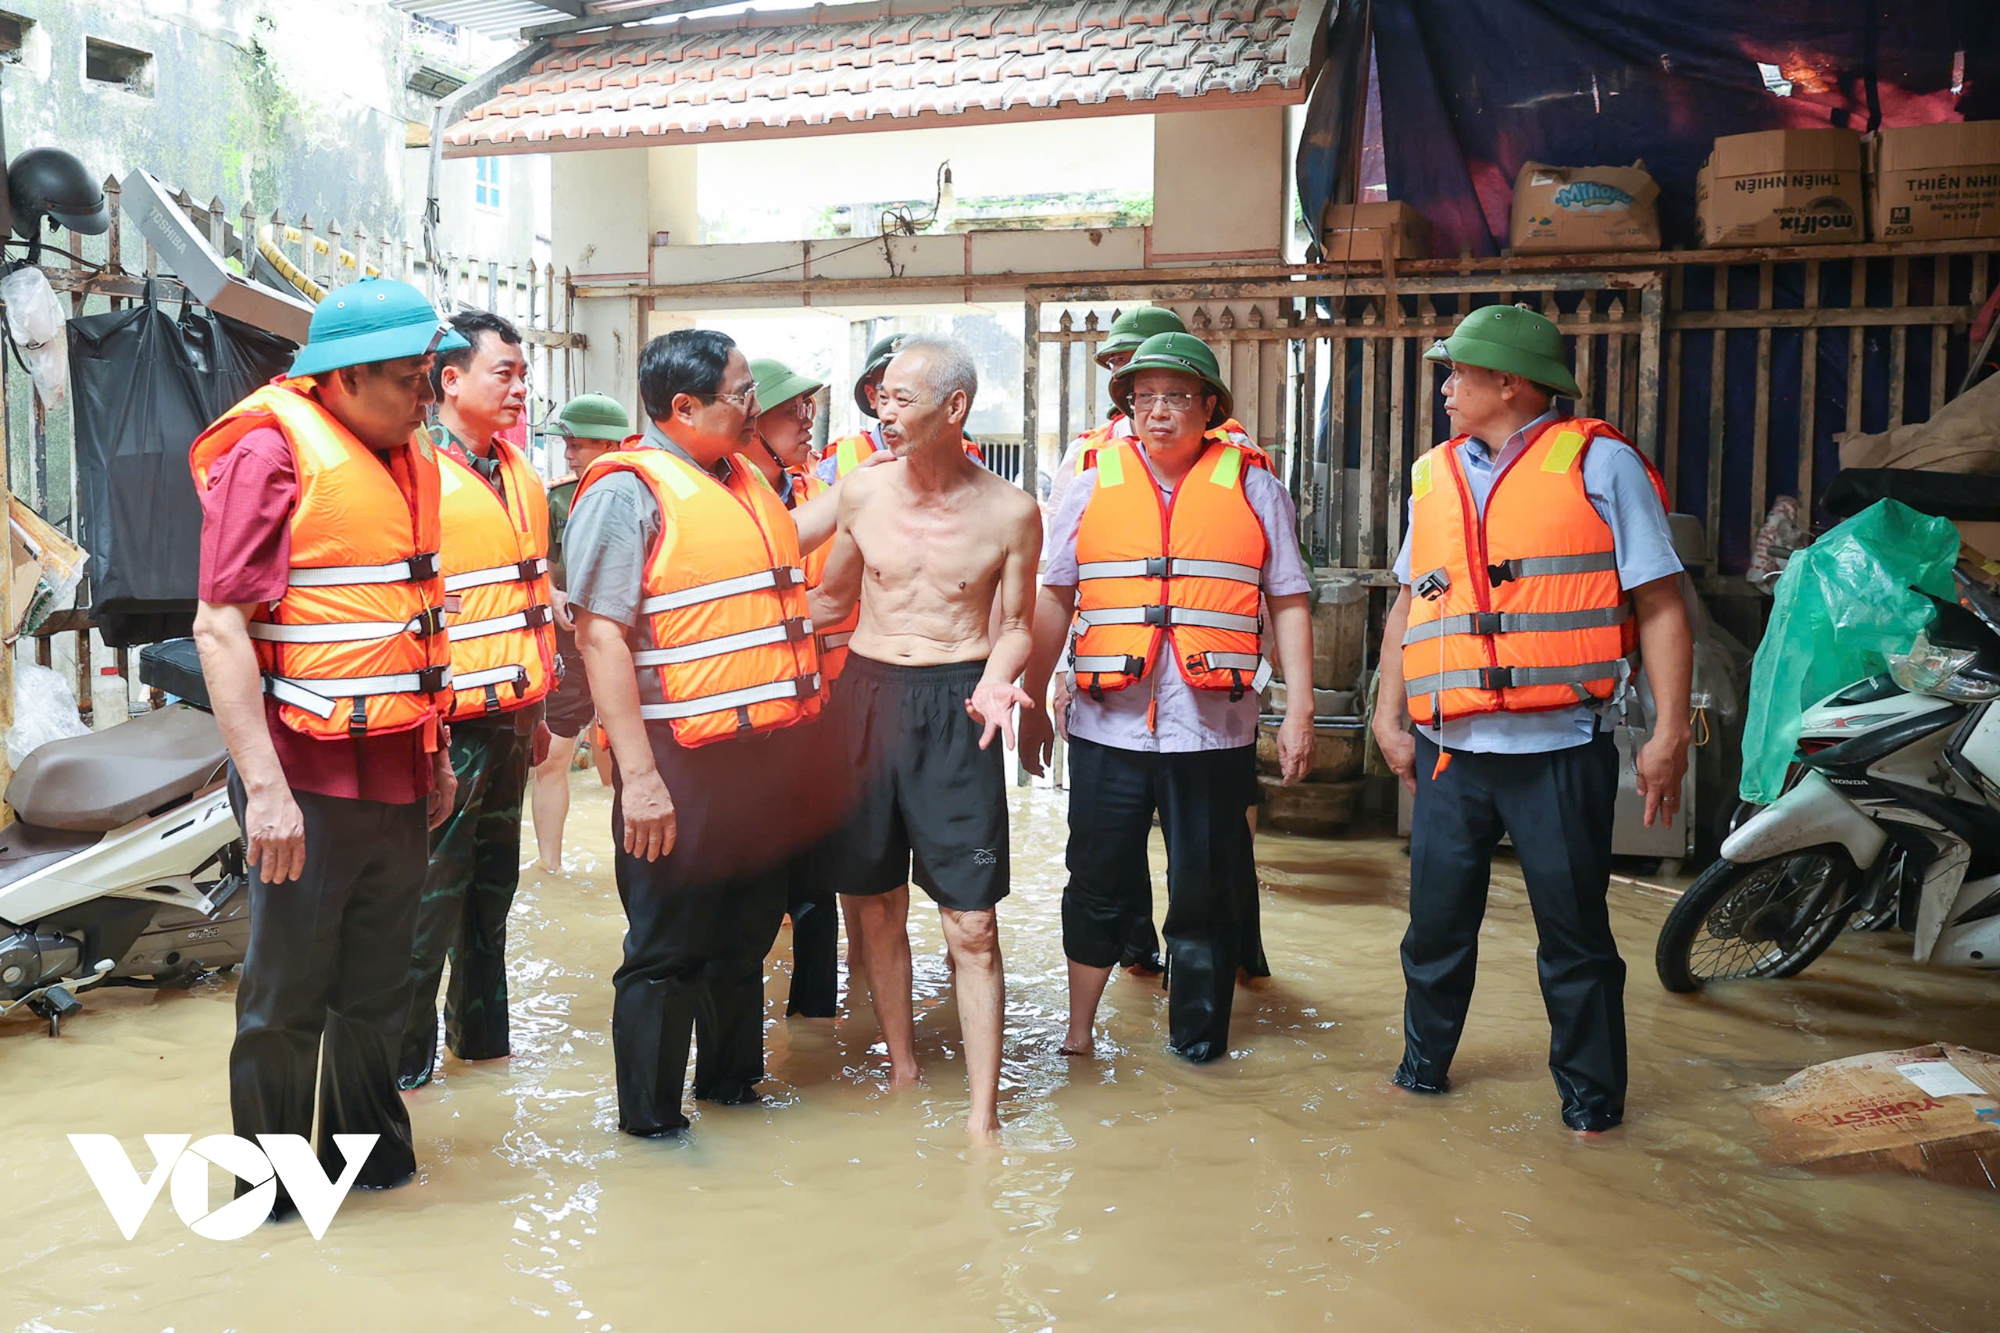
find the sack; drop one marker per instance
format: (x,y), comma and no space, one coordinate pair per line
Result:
(35,323)
(1841,607)
(146,385)
(44,711)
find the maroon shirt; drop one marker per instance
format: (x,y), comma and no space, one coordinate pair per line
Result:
(246,556)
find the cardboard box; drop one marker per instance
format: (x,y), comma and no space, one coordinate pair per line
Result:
(1566,209)
(1935,182)
(1932,1111)
(1369,233)
(45,568)
(1781,187)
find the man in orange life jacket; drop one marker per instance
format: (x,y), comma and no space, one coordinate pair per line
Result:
(503,664)
(782,456)
(320,628)
(1161,553)
(686,584)
(1535,561)
(1141,954)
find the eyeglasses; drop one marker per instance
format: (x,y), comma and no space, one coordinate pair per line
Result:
(803,407)
(1173,402)
(742,400)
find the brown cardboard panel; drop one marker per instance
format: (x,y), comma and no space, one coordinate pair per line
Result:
(1935,182)
(1931,1111)
(1781,187)
(1571,209)
(1371,232)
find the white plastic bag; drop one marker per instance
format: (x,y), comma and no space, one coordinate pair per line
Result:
(44,711)
(35,323)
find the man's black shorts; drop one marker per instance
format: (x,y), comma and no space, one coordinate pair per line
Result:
(928,806)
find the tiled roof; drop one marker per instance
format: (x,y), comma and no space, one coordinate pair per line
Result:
(836,67)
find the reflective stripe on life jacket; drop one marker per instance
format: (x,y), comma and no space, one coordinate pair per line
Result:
(354,647)
(496,583)
(1531,615)
(725,598)
(1181,570)
(853,450)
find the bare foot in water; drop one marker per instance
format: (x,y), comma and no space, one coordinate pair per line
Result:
(902,1077)
(548,869)
(1084,1045)
(986,1131)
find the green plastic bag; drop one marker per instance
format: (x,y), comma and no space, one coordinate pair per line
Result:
(1842,606)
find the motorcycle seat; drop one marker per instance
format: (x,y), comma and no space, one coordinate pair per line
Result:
(99,782)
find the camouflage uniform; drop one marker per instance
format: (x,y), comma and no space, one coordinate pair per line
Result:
(475,866)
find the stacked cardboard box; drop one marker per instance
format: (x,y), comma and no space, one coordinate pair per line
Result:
(1370,233)
(1562,210)
(1781,187)
(1935,182)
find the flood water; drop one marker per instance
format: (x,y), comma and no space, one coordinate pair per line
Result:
(1282,1188)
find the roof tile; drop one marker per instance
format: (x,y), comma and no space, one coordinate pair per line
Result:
(812,70)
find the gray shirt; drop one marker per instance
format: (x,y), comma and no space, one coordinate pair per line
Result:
(1622,493)
(1188,719)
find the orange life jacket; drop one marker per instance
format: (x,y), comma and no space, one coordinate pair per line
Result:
(1184,569)
(1530,615)
(832,642)
(725,597)
(496,584)
(355,647)
(1229,432)
(852,450)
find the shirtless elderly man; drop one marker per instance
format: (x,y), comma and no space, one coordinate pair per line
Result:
(942,555)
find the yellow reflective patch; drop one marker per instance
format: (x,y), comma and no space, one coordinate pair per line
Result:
(678,480)
(1228,468)
(1420,478)
(848,456)
(1110,467)
(1562,454)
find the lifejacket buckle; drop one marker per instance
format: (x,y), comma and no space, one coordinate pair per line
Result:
(1496,678)
(1500,573)
(539,615)
(424,566)
(1156,615)
(784,576)
(1486,622)
(427,622)
(1156,567)
(797,628)
(431,679)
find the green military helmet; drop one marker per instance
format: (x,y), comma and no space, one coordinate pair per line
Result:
(1174,351)
(593,416)
(1134,327)
(1513,340)
(879,356)
(376,319)
(778,383)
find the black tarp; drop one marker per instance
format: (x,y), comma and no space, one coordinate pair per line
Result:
(1471,89)
(144,383)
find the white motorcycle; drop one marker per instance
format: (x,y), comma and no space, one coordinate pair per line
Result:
(125,865)
(1890,818)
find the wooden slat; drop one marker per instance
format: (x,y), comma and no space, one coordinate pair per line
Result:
(1940,290)
(1670,457)
(1397,350)
(1614,371)
(1367,552)
(1337,438)
(1760,426)
(1643,381)
(1899,343)
(1808,397)
(1586,357)
(1831,317)
(1425,389)
(1062,392)
(1857,346)
(1313,494)
(1031,376)
(1718,371)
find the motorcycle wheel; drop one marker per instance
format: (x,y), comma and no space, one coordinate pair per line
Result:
(1763,921)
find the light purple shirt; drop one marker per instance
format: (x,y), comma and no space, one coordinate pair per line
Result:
(1188,719)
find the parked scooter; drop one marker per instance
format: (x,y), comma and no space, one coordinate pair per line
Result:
(125,865)
(1890,817)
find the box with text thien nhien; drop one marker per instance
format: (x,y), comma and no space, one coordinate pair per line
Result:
(1931,1111)
(1368,233)
(1781,187)
(1561,209)
(1935,182)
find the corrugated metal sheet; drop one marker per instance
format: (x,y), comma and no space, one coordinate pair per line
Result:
(488,18)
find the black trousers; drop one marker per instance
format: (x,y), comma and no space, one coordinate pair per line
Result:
(815,913)
(1201,798)
(700,921)
(325,985)
(1557,807)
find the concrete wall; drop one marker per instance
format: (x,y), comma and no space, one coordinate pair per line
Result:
(1219,185)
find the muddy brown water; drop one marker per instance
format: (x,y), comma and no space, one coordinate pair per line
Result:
(1282,1188)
